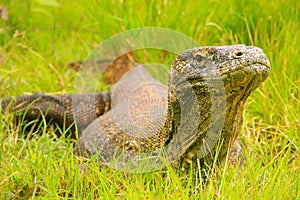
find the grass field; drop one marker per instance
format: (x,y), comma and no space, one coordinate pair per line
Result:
(41,37)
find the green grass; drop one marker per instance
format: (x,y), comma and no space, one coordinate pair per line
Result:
(41,37)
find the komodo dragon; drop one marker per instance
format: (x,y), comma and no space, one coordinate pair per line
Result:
(198,116)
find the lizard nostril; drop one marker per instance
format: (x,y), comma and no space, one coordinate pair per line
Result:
(238,53)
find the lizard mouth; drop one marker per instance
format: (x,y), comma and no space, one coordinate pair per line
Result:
(261,68)
(259,71)
(233,80)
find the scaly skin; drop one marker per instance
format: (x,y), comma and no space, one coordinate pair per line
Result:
(191,127)
(198,116)
(241,68)
(59,109)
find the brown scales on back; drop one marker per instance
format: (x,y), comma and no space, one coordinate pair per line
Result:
(198,116)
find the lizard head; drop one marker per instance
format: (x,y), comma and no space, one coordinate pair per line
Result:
(239,66)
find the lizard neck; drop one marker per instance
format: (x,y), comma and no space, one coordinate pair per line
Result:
(219,122)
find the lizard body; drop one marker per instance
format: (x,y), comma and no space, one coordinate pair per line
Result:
(199,111)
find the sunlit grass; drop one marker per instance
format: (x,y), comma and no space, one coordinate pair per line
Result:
(40,39)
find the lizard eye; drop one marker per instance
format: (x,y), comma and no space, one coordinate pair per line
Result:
(199,58)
